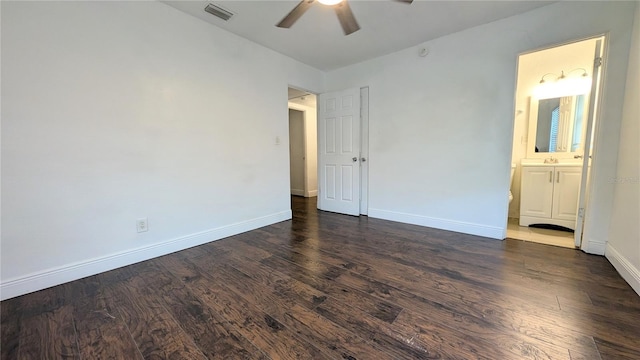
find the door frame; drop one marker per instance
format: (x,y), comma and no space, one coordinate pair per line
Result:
(595,116)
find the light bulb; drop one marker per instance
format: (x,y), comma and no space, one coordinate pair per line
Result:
(563,87)
(330,2)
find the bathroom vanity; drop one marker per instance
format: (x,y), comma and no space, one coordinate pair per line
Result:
(549,193)
(551,175)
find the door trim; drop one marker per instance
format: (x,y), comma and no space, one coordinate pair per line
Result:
(364,150)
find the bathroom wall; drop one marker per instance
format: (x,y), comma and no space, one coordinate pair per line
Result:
(531,67)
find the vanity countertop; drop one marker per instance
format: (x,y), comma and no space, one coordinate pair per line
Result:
(561,162)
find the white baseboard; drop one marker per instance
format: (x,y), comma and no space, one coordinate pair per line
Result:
(493,232)
(594,247)
(625,268)
(311,193)
(78,270)
(297,192)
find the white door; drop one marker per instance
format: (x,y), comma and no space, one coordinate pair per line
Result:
(591,118)
(339,152)
(565,192)
(537,191)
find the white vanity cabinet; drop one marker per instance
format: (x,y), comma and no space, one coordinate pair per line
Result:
(549,194)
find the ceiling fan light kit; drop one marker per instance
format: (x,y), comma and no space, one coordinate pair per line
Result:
(341,7)
(329,2)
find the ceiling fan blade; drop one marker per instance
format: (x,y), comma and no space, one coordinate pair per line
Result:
(295,14)
(346,18)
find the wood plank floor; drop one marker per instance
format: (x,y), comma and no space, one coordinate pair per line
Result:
(328,286)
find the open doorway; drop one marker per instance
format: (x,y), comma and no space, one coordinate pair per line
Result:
(336,148)
(555,102)
(303,144)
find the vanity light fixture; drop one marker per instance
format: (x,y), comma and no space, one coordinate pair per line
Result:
(542,80)
(570,85)
(562,75)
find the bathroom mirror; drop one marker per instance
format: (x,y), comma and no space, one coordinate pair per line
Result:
(556,126)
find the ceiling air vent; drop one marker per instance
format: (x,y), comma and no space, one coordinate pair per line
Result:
(219,12)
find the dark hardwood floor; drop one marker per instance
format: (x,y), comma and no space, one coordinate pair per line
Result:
(329,286)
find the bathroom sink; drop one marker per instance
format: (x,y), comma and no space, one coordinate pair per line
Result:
(546,162)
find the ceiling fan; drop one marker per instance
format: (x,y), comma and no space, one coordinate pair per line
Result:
(341,7)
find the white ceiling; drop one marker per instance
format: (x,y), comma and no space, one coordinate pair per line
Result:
(295,93)
(386,26)
(302,97)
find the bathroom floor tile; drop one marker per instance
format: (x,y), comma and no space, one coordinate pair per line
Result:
(542,236)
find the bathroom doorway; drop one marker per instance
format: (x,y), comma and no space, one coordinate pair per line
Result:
(555,113)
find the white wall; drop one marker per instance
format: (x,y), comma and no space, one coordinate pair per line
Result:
(296,152)
(623,247)
(441,126)
(531,67)
(114,111)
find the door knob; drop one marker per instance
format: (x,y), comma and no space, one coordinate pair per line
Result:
(354,159)
(363,159)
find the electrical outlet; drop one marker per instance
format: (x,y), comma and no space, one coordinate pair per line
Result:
(142,225)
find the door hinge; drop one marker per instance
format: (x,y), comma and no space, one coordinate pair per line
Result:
(581,212)
(597,62)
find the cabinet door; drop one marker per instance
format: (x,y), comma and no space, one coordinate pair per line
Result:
(536,194)
(565,192)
